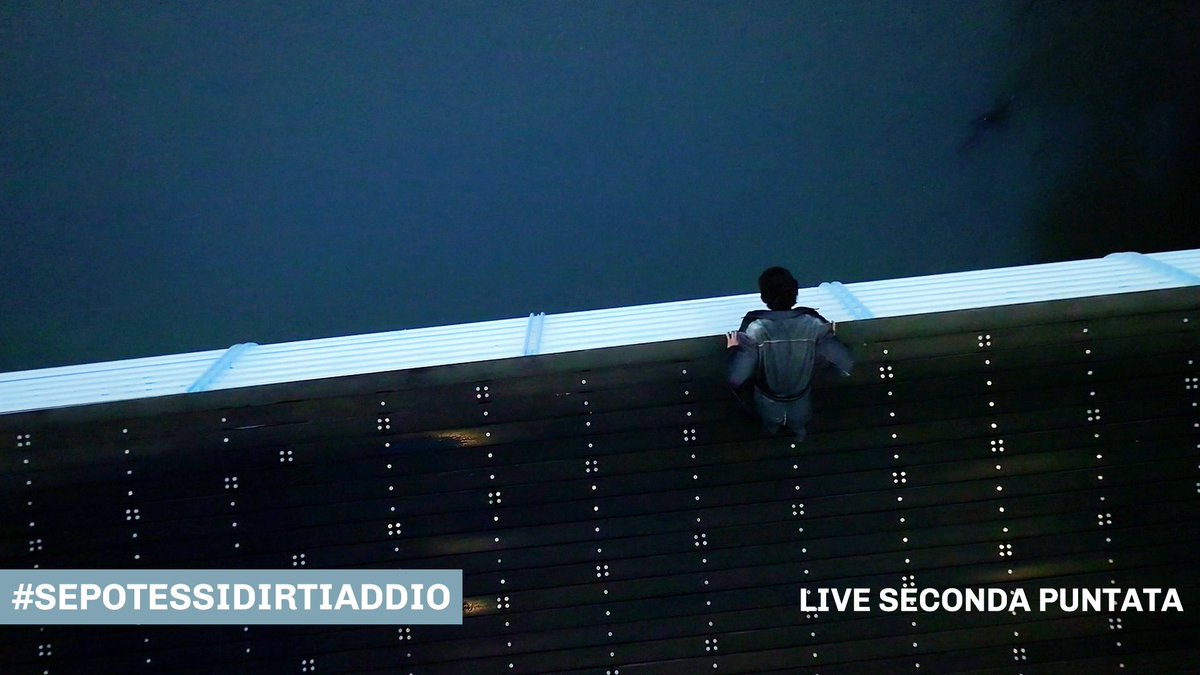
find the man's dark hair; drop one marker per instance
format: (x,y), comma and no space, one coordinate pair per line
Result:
(778,288)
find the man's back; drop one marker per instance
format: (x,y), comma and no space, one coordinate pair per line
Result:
(778,351)
(787,346)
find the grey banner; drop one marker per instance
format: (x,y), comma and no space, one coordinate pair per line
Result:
(235,597)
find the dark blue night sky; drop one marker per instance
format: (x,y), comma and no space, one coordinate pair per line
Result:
(187,175)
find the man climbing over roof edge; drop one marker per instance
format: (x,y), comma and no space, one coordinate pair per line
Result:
(777,351)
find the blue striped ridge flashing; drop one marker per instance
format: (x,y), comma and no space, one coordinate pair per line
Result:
(1157,266)
(222,364)
(250,365)
(533,333)
(848,300)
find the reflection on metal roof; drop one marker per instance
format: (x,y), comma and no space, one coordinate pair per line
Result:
(247,365)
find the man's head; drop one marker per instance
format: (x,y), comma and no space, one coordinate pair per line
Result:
(778,288)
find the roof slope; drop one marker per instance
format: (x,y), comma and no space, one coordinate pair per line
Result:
(616,510)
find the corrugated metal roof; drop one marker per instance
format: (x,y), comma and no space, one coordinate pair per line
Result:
(1187,261)
(250,365)
(100,382)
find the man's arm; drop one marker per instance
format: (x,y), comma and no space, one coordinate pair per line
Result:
(832,350)
(743,357)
